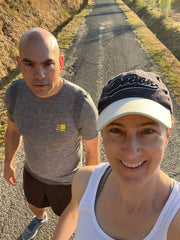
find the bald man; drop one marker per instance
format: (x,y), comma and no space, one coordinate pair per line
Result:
(54,117)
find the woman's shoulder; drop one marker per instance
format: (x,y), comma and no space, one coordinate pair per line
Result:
(82,177)
(174,229)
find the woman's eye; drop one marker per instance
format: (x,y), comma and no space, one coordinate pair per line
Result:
(148,131)
(115,130)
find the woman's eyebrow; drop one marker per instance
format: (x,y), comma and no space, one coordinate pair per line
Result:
(115,124)
(150,123)
(140,124)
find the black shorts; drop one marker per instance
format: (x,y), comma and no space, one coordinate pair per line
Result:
(44,195)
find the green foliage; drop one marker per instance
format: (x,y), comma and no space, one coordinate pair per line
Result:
(140,3)
(153,3)
(163,5)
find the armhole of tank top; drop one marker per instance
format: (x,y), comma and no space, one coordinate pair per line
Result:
(171,185)
(102,182)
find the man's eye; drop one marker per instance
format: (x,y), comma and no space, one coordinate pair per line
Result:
(28,64)
(49,64)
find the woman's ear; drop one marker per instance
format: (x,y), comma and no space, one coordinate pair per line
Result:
(101,133)
(168,135)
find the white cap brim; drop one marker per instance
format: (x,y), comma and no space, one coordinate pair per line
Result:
(142,106)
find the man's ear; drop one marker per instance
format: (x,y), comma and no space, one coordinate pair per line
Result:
(61,61)
(18,62)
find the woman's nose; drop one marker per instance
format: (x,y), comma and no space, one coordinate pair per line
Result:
(132,146)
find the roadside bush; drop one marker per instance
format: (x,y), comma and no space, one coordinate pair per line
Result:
(163,5)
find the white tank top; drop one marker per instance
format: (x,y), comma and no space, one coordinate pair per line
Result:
(88,227)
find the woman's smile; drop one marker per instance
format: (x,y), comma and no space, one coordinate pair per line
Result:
(132,165)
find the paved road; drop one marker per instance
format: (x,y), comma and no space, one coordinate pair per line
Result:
(104,47)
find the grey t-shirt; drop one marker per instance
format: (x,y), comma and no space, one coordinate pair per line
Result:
(52,129)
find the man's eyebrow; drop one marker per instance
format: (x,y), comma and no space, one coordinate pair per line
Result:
(26,60)
(48,60)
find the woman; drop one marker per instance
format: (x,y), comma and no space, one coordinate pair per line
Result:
(129,198)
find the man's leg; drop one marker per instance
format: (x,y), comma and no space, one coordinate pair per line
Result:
(38,221)
(38,212)
(59,197)
(34,191)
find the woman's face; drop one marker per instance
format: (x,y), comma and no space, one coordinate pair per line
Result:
(134,146)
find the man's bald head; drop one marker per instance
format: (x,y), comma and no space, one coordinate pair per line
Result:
(38,36)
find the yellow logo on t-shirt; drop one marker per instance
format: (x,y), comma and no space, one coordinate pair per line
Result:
(61,127)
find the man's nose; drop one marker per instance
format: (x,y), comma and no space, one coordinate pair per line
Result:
(40,72)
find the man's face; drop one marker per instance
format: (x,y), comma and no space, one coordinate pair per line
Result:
(40,65)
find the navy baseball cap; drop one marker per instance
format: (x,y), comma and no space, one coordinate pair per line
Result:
(135,92)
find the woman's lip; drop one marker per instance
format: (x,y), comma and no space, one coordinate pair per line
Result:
(132,165)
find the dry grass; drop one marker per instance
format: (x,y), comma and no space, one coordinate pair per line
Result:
(166,27)
(18,16)
(161,55)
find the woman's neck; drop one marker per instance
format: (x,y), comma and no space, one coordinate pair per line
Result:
(150,194)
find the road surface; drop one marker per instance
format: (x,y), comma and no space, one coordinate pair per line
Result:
(105,46)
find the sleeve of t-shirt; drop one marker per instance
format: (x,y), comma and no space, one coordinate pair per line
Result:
(9,103)
(89,115)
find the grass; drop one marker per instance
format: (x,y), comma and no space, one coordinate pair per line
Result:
(169,65)
(65,36)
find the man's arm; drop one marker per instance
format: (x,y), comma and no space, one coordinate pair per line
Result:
(92,151)
(68,220)
(12,141)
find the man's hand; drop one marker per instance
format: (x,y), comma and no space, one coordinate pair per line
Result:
(9,175)
(12,142)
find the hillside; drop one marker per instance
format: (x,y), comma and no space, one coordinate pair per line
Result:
(17,16)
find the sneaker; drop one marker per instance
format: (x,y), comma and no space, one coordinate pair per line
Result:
(32,229)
